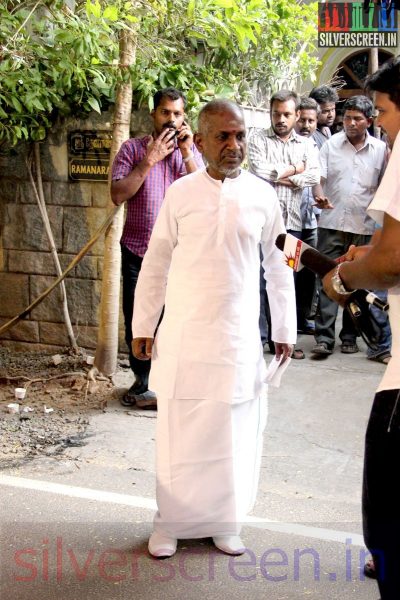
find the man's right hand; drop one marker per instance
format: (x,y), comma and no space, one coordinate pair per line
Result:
(290,171)
(322,202)
(159,148)
(142,347)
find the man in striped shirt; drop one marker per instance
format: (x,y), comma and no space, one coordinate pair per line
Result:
(290,163)
(142,171)
(286,160)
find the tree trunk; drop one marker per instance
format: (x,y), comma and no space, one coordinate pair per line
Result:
(373,60)
(373,67)
(38,190)
(107,340)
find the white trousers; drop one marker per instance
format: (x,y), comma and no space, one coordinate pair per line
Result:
(208,465)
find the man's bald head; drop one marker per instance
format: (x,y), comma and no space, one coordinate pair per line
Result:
(219,106)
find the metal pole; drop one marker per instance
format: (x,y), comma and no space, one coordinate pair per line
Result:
(373,67)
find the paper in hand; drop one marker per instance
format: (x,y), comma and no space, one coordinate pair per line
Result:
(275,371)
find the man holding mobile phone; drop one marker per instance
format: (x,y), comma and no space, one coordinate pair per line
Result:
(142,171)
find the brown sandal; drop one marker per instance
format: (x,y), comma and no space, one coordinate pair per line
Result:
(382,358)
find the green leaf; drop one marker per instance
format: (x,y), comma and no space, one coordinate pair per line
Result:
(190,9)
(41,133)
(36,102)
(111,13)
(94,104)
(93,8)
(16,103)
(225,3)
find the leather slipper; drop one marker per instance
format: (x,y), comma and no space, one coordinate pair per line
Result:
(138,387)
(382,358)
(349,348)
(128,399)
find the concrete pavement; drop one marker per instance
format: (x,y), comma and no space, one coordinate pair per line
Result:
(76,526)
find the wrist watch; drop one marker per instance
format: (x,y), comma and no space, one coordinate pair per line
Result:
(188,157)
(338,284)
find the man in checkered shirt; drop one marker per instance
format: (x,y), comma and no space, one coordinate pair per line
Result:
(141,173)
(289,162)
(285,159)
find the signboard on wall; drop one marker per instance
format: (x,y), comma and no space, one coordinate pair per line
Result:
(89,155)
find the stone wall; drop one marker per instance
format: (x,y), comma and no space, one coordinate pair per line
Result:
(76,209)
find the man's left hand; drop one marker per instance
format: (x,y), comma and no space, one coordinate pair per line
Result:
(284,350)
(185,139)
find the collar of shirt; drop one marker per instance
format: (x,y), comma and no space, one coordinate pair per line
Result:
(294,137)
(346,140)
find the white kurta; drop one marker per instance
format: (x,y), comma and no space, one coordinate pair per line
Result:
(203,264)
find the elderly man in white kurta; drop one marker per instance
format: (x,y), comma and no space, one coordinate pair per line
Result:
(207,368)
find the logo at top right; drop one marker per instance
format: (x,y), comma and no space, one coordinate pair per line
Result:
(357,24)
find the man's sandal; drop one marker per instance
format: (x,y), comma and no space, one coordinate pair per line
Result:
(139,386)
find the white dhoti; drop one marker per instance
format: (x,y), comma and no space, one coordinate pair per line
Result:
(208,465)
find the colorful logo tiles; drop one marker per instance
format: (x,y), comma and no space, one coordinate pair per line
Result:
(357,24)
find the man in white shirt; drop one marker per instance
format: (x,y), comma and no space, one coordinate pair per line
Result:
(208,369)
(378,267)
(352,164)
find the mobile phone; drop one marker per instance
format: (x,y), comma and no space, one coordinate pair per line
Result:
(186,136)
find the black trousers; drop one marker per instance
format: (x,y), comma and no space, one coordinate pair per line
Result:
(381,491)
(334,243)
(131,265)
(305,282)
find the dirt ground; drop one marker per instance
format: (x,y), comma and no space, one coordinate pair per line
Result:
(62,397)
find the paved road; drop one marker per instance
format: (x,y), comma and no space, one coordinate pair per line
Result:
(76,526)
